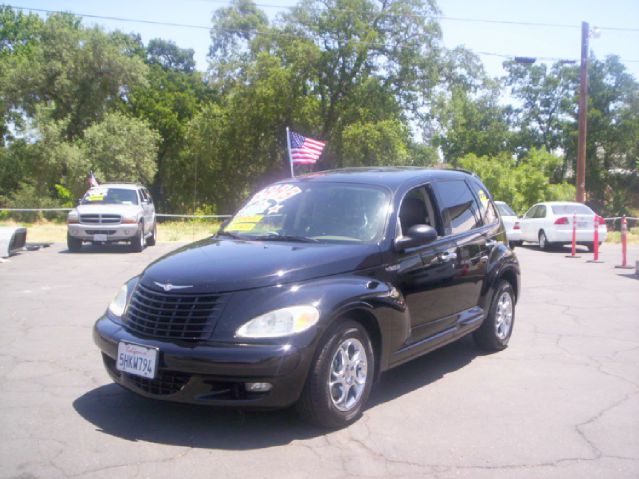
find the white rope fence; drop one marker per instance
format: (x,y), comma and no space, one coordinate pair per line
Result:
(158,215)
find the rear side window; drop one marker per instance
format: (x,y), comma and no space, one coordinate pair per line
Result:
(488,211)
(541,212)
(459,209)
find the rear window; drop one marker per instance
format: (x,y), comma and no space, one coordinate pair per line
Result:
(570,209)
(505,210)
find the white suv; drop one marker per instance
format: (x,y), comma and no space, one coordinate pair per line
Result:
(110,213)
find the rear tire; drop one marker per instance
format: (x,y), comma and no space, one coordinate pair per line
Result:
(137,243)
(495,331)
(74,244)
(340,378)
(514,244)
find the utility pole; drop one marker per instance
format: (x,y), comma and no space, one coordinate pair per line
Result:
(583,113)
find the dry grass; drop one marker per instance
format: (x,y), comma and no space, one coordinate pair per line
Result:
(168,232)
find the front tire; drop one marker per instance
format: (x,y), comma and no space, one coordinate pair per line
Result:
(340,378)
(137,243)
(74,244)
(544,244)
(495,331)
(151,240)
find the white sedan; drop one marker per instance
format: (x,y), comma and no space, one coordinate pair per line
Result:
(511,223)
(550,223)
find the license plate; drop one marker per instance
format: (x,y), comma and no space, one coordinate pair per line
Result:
(136,359)
(99,237)
(582,224)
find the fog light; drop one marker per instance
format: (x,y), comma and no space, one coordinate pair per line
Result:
(258,387)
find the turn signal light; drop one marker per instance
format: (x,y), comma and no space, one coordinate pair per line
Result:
(561,221)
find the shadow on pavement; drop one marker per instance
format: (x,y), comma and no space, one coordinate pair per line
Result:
(96,248)
(629,276)
(121,413)
(580,250)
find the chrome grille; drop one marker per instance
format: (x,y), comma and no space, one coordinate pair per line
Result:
(100,232)
(100,219)
(169,315)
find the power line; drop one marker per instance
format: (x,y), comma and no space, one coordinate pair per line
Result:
(208,28)
(391,14)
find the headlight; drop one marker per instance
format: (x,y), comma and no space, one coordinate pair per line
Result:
(118,303)
(73,217)
(281,322)
(130,219)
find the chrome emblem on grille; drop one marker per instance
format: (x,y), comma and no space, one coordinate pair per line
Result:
(169,286)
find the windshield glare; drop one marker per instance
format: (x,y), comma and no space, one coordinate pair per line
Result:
(110,196)
(505,210)
(319,211)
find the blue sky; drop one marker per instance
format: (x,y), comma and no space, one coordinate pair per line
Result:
(500,39)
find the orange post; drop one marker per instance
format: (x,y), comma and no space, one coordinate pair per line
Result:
(596,239)
(624,244)
(574,234)
(573,253)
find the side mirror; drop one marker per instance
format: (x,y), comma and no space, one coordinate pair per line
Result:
(417,235)
(78,201)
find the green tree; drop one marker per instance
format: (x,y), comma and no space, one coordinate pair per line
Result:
(546,100)
(120,148)
(472,124)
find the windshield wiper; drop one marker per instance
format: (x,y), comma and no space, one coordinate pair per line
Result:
(230,235)
(278,237)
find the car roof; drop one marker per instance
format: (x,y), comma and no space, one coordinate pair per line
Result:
(392,177)
(124,186)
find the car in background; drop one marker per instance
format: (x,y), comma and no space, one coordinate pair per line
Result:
(110,213)
(511,223)
(550,224)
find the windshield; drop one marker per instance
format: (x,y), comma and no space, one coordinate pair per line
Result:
(110,196)
(505,210)
(313,212)
(571,208)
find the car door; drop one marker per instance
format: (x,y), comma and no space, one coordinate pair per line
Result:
(146,210)
(424,273)
(440,280)
(469,243)
(527,225)
(150,219)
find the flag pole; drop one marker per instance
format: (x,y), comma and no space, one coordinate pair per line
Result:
(290,158)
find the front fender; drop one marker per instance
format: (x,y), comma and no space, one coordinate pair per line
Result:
(362,298)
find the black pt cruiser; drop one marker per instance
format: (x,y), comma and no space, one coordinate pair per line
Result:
(315,287)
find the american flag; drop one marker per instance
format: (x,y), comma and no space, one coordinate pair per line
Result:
(91,180)
(305,151)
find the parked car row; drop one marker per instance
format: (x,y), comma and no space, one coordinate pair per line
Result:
(550,224)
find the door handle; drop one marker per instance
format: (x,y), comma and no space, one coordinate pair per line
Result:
(447,256)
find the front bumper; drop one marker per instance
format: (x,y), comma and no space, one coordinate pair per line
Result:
(90,232)
(208,373)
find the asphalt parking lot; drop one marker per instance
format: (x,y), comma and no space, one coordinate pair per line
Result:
(562,401)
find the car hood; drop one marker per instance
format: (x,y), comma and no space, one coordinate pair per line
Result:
(107,209)
(222,265)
